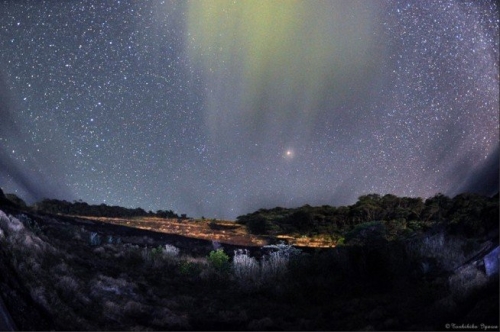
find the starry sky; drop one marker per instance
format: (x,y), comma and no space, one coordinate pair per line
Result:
(219,108)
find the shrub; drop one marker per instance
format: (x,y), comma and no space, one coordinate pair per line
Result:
(283,250)
(447,251)
(95,239)
(466,281)
(246,269)
(251,275)
(187,268)
(159,256)
(274,266)
(134,256)
(152,257)
(170,251)
(156,252)
(68,285)
(30,224)
(111,240)
(218,260)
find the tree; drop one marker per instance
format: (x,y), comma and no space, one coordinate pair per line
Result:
(368,233)
(301,220)
(467,214)
(367,208)
(436,207)
(257,225)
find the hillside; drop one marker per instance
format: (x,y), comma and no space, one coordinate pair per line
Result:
(99,273)
(222,231)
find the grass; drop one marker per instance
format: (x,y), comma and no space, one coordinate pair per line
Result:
(224,231)
(227,232)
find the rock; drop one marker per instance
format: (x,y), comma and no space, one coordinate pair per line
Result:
(10,224)
(491,262)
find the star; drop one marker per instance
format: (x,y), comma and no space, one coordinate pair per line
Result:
(188,106)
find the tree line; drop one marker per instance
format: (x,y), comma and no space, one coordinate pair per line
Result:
(80,208)
(467,213)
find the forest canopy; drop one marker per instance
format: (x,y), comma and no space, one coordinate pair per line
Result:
(393,216)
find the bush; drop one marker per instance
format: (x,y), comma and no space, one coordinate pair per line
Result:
(251,275)
(156,252)
(283,250)
(170,251)
(134,256)
(95,239)
(466,281)
(157,257)
(274,266)
(30,224)
(246,269)
(187,268)
(218,260)
(446,250)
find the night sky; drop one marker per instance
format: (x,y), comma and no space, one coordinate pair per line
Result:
(219,108)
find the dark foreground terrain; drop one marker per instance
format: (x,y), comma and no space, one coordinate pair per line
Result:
(66,273)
